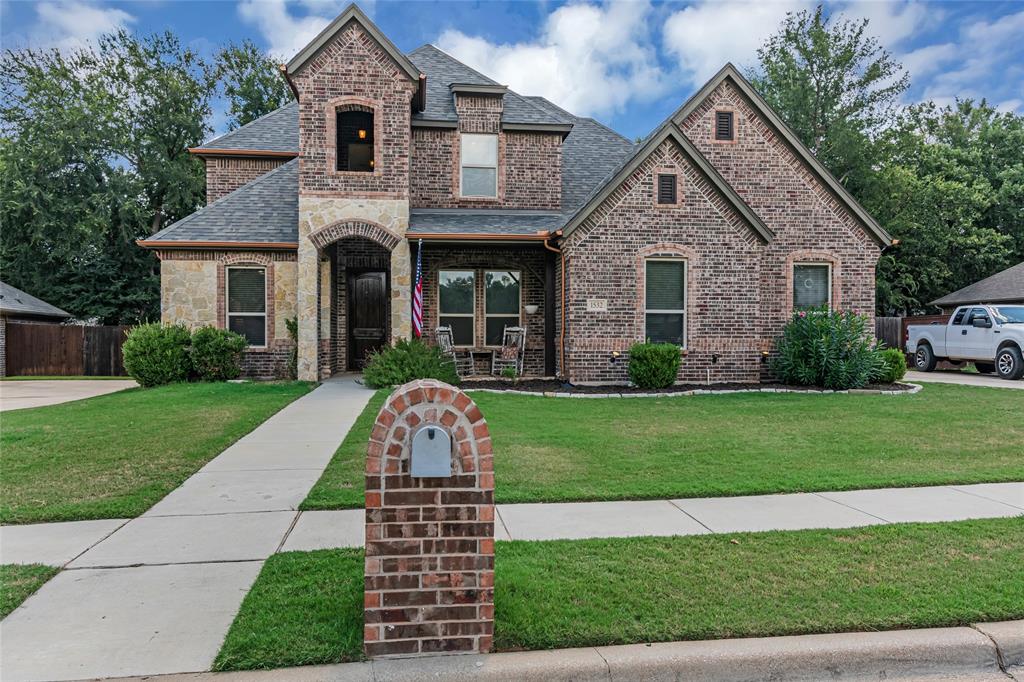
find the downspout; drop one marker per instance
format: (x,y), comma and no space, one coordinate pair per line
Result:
(561,331)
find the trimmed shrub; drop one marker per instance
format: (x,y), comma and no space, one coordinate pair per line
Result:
(155,354)
(406,361)
(653,365)
(827,348)
(894,365)
(217,353)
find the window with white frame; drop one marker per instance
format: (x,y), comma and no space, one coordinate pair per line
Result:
(502,294)
(812,285)
(456,299)
(479,157)
(665,300)
(246,298)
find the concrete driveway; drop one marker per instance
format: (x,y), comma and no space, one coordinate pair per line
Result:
(962,378)
(17,395)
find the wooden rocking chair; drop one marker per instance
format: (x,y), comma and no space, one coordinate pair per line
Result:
(446,342)
(512,351)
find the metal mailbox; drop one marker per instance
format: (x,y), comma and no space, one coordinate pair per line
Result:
(431,454)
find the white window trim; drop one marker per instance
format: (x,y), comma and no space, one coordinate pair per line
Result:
(472,315)
(519,312)
(816,263)
(686,298)
(463,166)
(227,301)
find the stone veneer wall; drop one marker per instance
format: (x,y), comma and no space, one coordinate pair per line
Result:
(528,261)
(225,174)
(607,261)
(192,293)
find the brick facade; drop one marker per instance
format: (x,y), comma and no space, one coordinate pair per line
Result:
(429,567)
(225,174)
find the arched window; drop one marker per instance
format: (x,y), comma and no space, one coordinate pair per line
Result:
(355,138)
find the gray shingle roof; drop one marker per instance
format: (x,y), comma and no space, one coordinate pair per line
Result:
(265,210)
(442,70)
(277,131)
(482,221)
(14,301)
(1004,286)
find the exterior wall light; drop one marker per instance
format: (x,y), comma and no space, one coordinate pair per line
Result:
(362,134)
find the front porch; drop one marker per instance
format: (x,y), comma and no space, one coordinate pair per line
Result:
(476,288)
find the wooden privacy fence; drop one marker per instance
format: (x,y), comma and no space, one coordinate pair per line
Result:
(64,350)
(889,331)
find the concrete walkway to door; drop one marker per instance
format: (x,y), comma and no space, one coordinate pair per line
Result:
(158,593)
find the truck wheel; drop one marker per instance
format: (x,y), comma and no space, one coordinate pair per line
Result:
(1009,363)
(924,358)
(985,367)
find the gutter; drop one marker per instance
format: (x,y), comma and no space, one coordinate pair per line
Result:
(211,151)
(478,236)
(262,246)
(288,78)
(561,330)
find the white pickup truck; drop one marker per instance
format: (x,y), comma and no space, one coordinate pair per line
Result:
(990,336)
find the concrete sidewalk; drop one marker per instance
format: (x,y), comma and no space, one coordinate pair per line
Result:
(989,651)
(955,376)
(158,593)
(18,395)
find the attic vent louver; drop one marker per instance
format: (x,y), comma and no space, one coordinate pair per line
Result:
(667,189)
(723,125)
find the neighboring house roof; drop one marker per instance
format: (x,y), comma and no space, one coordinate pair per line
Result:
(730,72)
(438,221)
(277,131)
(1001,287)
(263,212)
(14,301)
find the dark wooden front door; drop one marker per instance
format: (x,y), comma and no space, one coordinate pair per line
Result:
(367,315)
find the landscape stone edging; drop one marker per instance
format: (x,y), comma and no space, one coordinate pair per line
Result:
(915,388)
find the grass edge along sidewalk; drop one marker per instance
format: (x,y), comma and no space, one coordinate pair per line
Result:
(18,582)
(570,450)
(306,607)
(115,455)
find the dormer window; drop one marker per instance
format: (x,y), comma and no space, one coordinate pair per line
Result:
(479,154)
(355,139)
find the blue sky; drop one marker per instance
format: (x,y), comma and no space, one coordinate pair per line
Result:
(627,63)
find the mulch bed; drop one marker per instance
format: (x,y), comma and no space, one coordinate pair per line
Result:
(554,386)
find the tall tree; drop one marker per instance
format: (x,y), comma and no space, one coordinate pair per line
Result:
(834,85)
(94,155)
(252,83)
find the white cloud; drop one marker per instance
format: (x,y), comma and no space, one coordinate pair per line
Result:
(73,24)
(590,59)
(892,22)
(706,35)
(928,59)
(286,33)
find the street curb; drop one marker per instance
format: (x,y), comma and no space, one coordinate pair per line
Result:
(982,651)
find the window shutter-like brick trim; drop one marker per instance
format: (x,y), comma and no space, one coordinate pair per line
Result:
(355,228)
(352,103)
(227,260)
(665,250)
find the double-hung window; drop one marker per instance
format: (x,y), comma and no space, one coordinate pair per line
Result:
(246,298)
(501,304)
(479,155)
(455,304)
(812,285)
(665,301)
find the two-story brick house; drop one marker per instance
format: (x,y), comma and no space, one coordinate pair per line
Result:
(707,233)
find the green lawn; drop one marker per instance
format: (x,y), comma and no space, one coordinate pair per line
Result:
(306,606)
(19,581)
(115,455)
(563,449)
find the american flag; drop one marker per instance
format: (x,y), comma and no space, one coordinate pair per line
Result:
(417,297)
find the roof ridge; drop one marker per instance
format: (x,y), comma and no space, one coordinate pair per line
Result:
(435,48)
(232,194)
(243,127)
(608,128)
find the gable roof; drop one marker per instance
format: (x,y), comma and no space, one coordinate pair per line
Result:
(731,73)
(352,13)
(640,153)
(264,211)
(14,301)
(1007,285)
(277,132)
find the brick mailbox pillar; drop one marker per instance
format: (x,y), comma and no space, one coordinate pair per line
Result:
(429,525)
